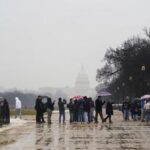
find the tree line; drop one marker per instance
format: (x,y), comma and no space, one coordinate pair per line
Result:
(127,68)
(27,99)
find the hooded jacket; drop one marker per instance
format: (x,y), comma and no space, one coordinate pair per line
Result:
(18,103)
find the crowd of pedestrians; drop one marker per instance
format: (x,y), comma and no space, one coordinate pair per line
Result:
(80,109)
(136,109)
(84,109)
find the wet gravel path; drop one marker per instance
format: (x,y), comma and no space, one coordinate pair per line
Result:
(117,136)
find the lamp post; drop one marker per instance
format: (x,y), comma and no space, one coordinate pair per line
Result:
(143,78)
(123,85)
(115,95)
(118,94)
(130,86)
(148,85)
(118,97)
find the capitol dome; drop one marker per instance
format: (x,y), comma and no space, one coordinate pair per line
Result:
(82,84)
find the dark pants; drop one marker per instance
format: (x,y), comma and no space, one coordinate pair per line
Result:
(75,116)
(6,118)
(39,117)
(81,115)
(71,116)
(96,116)
(126,114)
(89,117)
(108,116)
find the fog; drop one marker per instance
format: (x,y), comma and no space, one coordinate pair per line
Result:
(45,43)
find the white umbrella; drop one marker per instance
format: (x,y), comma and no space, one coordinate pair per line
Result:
(145,97)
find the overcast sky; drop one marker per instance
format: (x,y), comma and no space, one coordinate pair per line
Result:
(45,42)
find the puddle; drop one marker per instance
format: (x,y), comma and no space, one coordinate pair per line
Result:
(117,136)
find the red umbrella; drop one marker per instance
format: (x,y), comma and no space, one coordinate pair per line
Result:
(76,97)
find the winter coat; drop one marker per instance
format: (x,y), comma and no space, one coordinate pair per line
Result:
(87,106)
(39,106)
(6,112)
(71,106)
(109,109)
(99,104)
(61,106)
(125,106)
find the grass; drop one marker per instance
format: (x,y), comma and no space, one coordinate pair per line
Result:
(24,111)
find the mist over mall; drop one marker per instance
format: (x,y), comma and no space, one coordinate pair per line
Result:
(74,74)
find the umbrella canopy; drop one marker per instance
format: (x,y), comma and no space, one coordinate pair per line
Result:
(104,93)
(76,97)
(145,97)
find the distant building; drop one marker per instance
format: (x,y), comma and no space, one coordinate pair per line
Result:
(82,84)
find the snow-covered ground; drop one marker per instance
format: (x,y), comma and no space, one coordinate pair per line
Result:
(13,123)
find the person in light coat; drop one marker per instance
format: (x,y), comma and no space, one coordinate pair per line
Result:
(147,110)
(18,107)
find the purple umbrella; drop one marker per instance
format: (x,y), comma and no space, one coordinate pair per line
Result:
(145,97)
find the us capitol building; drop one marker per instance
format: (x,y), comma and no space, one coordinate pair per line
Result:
(81,88)
(82,84)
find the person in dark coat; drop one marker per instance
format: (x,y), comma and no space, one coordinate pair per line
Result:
(5,112)
(87,108)
(109,111)
(98,109)
(39,110)
(70,105)
(76,111)
(61,105)
(125,109)
(1,114)
(50,108)
(81,109)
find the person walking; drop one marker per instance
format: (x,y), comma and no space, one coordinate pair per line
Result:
(98,109)
(109,111)
(18,107)
(50,108)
